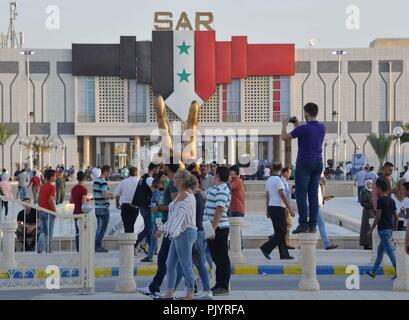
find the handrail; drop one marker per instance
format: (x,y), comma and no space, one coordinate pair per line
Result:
(38,208)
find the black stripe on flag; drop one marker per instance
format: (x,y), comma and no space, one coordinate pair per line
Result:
(162,63)
(143,62)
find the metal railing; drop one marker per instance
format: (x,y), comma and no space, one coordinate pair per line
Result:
(231,117)
(27,229)
(86,117)
(137,117)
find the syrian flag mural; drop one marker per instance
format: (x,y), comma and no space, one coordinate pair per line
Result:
(183,66)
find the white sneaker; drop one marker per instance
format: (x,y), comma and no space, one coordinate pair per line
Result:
(205,295)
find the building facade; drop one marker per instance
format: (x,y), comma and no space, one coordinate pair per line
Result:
(102,117)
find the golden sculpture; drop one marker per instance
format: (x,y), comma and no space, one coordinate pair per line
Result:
(188,153)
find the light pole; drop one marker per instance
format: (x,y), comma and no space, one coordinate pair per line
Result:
(338,53)
(390,106)
(345,140)
(27,54)
(398,133)
(326,153)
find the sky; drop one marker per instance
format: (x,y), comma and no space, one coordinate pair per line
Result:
(263,21)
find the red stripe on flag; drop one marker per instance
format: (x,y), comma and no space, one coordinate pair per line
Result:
(271,60)
(239,57)
(223,62)
(205,64)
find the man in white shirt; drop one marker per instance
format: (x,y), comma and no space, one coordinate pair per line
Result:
(267,173)
(276,202)
(124,194)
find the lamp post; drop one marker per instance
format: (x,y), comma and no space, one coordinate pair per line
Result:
(338,53)
(398,133)
(345,140)
(390,106)
(326,152)
(27,54)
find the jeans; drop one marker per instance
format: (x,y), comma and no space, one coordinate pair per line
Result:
(199,260)
(220,255)
(147,230)
(321,228)
(47,229)
(153,242)
(359,192)
(102,215)
(35,193)
(387,245)
(278,216)
(307,179)
(180,251)
(21,192)
(157,280)
(5,204)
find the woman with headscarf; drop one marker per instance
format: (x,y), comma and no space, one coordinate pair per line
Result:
(367,213)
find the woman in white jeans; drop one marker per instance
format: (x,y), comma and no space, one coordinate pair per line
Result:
(181,229)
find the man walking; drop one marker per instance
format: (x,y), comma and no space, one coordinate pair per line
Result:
(217,203)
(124,194)
(285,176)
(309,166)
(238,196)
(101,198)
(386,176)
(22,185)
(360,180)
(142,200)
(35,185)
(276,202)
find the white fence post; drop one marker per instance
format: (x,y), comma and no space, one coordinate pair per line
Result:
(401,282)
(308,246)
(87,253)
(236,254)
(9,227)
(126,282)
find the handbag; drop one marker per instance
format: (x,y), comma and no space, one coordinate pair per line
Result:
(208,229)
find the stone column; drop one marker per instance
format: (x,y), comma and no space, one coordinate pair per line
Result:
(86,148)
(231,159)
(401,283)
(308,246)
(8,259)
(126,282)
(235,254)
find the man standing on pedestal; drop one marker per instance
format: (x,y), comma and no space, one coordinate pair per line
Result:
(309,166)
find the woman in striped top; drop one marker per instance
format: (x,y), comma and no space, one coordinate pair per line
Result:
(181,228)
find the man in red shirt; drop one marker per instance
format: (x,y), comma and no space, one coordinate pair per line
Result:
(78,196)
(238,196)
(46,200)
(35,185)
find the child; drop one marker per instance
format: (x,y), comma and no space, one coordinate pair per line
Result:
(387,221)
(157,199)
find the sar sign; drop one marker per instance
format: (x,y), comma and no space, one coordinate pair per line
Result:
(163,21)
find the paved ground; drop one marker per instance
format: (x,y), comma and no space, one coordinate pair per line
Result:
(242,288)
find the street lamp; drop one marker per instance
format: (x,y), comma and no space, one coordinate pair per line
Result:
(398,133)
(27,54)
(345,140)
(338,53)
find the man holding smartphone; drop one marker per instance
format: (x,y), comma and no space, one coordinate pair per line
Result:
(309,165)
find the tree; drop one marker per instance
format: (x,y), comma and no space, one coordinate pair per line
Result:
(4,135)
(39,146)
(380,145)
(405,136)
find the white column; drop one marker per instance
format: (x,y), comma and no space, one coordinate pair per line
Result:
(9,227)
(126,282)
(235,254)
(231,159)
(86,150)
(401,282)
(220,150)
(87,253)
(138,153)
(308,251)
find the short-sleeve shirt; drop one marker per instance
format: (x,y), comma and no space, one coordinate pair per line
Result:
(310,138)
(31,218)
(218,196)
(22,179)
(273,185)
(387,207)
(76,196)
(238,196)
(47,190)
(35,181)
(405,205)
(100,185)
(167,198)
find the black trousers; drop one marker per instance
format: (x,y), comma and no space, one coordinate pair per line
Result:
(5,204)
(157,280)
(129,215)
(278,216)
(220,255)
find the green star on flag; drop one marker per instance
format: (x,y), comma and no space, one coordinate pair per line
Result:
(184,48)
(184,76)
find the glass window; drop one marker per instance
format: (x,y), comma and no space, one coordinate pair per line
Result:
(281,97)
(137,100)
(87,95)
(231,101)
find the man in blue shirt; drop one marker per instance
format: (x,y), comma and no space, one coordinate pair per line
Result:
(309,166)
